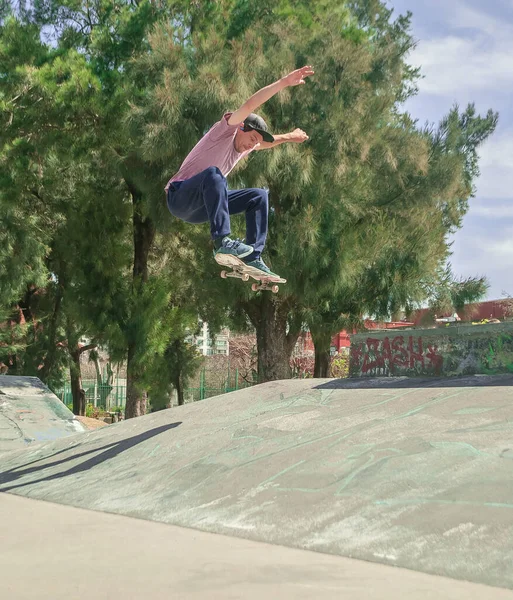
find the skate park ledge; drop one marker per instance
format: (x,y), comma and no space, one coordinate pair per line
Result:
(448,351)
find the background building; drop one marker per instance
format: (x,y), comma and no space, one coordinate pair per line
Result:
(209,346)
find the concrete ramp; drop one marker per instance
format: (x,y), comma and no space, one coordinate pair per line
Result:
(30,412)
(411,473)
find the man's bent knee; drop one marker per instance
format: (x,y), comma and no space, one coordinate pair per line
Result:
(263,196)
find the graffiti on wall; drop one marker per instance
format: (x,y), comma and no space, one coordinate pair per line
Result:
(395,355)
(498,355)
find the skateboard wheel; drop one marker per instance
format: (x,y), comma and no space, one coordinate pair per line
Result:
(245,277)
(275,289)
(223,275)
(254,287)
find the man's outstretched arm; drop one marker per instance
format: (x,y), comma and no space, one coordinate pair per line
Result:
(297,136)
(292,79)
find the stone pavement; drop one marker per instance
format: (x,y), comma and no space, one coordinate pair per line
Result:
(415,474)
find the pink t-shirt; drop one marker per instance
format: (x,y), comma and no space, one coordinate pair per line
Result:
(215,149)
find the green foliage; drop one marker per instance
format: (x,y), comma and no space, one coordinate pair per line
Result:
(173,370)
(448,294)
(340,366)
(92,411)
(12,339)
(68,184)
(22,254)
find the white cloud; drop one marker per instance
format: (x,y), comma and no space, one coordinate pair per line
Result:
(499,251)
(497,151)
(479,251)
(485,247)
(493,210)
(475,56)
(496,166)
(463,16)
(495,183)
(450,65)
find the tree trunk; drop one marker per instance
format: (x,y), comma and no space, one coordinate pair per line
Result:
(136,396)
(322,362)
(76,386)
(26,305)
(49,359)
(144,233)
(269,316)
(322,344)
(99,380)
(78,393)
(179,391)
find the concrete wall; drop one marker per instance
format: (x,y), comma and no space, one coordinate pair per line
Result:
(455,350)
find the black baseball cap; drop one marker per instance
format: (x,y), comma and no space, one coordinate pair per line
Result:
(256,123)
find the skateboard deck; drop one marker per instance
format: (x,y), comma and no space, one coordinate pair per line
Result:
(241,271)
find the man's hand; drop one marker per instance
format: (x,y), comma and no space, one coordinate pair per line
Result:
(297,77)
(298,136)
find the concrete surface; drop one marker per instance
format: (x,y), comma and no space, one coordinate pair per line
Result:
(403,472)
(53,552)
(30,412)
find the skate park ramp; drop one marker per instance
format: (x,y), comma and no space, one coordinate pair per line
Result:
(411,473)
(31,413)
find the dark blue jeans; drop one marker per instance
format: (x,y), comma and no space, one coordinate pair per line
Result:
(205,198)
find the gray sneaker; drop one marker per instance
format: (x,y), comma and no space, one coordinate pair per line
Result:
(231,251)
(261,268)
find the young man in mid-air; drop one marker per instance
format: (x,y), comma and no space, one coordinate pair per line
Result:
(198,193)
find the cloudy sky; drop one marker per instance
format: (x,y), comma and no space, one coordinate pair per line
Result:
(465,50)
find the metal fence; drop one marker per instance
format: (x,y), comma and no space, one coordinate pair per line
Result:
(206,383)
(211,384)
(101,395)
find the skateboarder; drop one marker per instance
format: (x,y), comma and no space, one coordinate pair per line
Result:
(198,193)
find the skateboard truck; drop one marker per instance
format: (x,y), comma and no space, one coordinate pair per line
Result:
(265,285)
(238,274)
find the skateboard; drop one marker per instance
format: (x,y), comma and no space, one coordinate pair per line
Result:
(240,270)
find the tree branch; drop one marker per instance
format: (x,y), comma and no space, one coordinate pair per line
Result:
(86,348)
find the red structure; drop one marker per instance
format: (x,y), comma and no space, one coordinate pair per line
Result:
(338,341)
(492,309)
(343,339)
